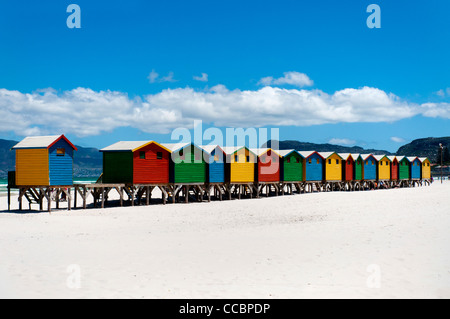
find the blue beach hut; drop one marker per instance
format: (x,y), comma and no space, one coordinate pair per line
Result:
(414,167)
(370,167)
(215,163)
(313,168)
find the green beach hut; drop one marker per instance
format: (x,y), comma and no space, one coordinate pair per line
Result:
(291,166)
(403,167)
(187,163)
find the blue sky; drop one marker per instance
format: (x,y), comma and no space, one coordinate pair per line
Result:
(236,44)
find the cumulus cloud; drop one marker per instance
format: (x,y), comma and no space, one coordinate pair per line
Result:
(203,78)
(153,77)
(85,112)
(443,92)
(342,141)
(291,78)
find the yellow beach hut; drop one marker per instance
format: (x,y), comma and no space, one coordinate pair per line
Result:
(240,165)
(333,166)
(426,167)
(384,167)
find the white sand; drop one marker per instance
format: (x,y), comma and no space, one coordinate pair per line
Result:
(374,244)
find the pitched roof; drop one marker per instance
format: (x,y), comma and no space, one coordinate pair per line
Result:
(380,157)
(284,153)
(262,151)
(328,154)
(307,154)
(210,148)
(345,156)
(124,146)
(412,158)
(423,159)
(366,156)
(175,147)
(129,146)
(36,142)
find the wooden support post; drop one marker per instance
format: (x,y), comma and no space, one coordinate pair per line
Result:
(9,199)
(49,200)
(75,198)
(20,198)
(69,199)
(84,197)
(186,194)
(103,196)
(149,193)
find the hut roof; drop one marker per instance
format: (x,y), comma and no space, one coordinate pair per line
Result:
(210,148)
(380,157)
(129,146)
(35,142)
(175,147)
(345,156)
(366,156)
(392,157)
(328,154)
(412,158)
(262,151)
(423,159)
(284,153)
(307,154)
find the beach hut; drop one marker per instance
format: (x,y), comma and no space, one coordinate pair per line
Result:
(187,163)
(403,168)
(394,167)
(267,166)
(313,170)
(384,167)
(239,165)
(215,172)
(44,161)
(369,167)
(291,166)
(426,167)
(136,162)
(415,167)
(333,166)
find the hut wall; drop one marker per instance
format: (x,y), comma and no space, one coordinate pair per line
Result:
(313,168)
(118,167)
(269,167)
(333,168)
(384,169)
(32,167)
(151,169)
(291,168)
(61,164)
(370,169)
(403,169)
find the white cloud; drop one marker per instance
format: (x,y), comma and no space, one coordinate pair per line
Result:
(154,77)
(84,112)
(342,141)
(291,78)
(203,78)
(397,139)
(443,92)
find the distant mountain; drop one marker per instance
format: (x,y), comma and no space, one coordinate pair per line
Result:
(88,162)
(427,147)
(304,146)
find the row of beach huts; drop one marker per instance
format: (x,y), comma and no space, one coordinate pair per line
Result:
(44,165)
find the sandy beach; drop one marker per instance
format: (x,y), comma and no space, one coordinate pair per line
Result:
(373,244)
